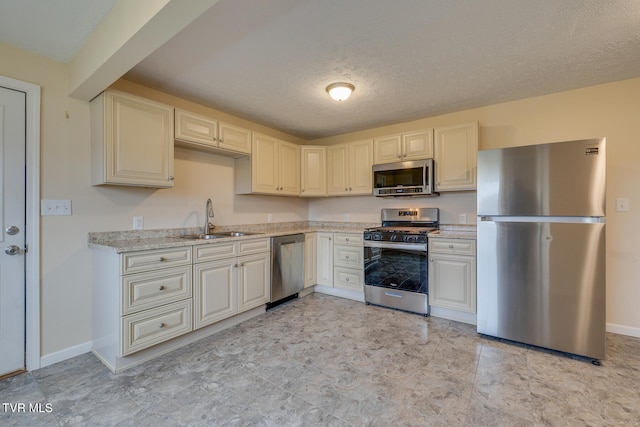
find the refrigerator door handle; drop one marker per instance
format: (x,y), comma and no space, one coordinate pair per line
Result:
(564,219)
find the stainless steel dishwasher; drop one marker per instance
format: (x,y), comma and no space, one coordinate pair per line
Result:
(287,268)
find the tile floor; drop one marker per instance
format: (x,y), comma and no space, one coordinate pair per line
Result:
(322,360)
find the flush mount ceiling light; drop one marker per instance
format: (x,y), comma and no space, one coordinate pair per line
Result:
(340,91)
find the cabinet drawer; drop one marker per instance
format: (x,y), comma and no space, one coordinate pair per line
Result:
(148,290)
(215,251)
(348,256)
(452,246)
(348,278)
(150,327)
(135,262)
(246,247)
(348,239)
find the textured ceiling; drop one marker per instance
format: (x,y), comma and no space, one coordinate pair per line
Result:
(270,61)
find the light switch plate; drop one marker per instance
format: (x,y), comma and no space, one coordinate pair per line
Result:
(50,207)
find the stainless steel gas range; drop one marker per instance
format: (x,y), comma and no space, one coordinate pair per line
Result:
(395,259)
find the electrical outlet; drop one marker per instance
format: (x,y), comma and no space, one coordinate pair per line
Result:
(138,222)
(622,204)
(55,207)
(346,217)
(269,217)
(463,218)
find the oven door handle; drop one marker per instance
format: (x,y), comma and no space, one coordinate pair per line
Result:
(401,246)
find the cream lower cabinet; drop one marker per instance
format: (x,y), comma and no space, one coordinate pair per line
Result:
(348,261)
(131,141)
(452,274)
(140,299)
(324,257)
(456,152)
(230,278)
(310,259)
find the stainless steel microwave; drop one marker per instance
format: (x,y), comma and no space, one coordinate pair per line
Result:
(412,178)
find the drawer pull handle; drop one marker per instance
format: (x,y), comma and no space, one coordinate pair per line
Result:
(450,246)
(161,325)
(162,259)
(161,288)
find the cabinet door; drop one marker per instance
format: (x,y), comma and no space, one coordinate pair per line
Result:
(264,164)
(324,269)
(387,149)
(234,138)
(456,149)
(417,145)
(190,127)
(360,167)
(337,178)
(310,261)
(253,280)
(215,291)
(289,169)
(313,171)
(137,141)
(452,280)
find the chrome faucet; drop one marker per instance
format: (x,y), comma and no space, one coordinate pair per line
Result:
(208,213)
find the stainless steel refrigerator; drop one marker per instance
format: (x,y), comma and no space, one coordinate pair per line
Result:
(541,245)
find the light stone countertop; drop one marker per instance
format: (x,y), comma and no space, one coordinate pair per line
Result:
(130,241)
(455,231)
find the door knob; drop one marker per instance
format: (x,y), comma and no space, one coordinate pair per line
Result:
(12,250)
(12,230)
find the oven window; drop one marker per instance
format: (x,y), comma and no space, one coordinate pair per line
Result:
(399,177)
(396,269)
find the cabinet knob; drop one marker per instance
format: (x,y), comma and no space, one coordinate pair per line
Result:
(161,325)
(170,178)
(302,190)
(350,189)
(346,256)
(161,288)
(162,259)
(346,279)
(450,246)
(221,140)
(347,239)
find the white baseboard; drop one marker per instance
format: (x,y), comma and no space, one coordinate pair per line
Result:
(623,330)
(342,293)
(67,353)
(458,316)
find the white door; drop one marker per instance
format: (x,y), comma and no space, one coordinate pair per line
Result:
(12,224)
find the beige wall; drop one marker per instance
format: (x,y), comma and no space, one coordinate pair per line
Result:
(609,110)
(65,174)
(606,110)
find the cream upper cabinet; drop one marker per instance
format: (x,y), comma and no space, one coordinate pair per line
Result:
(131,141)
(456,150)
(313,171)
(200,131)
(274,168)
(349,168)
(403,146)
